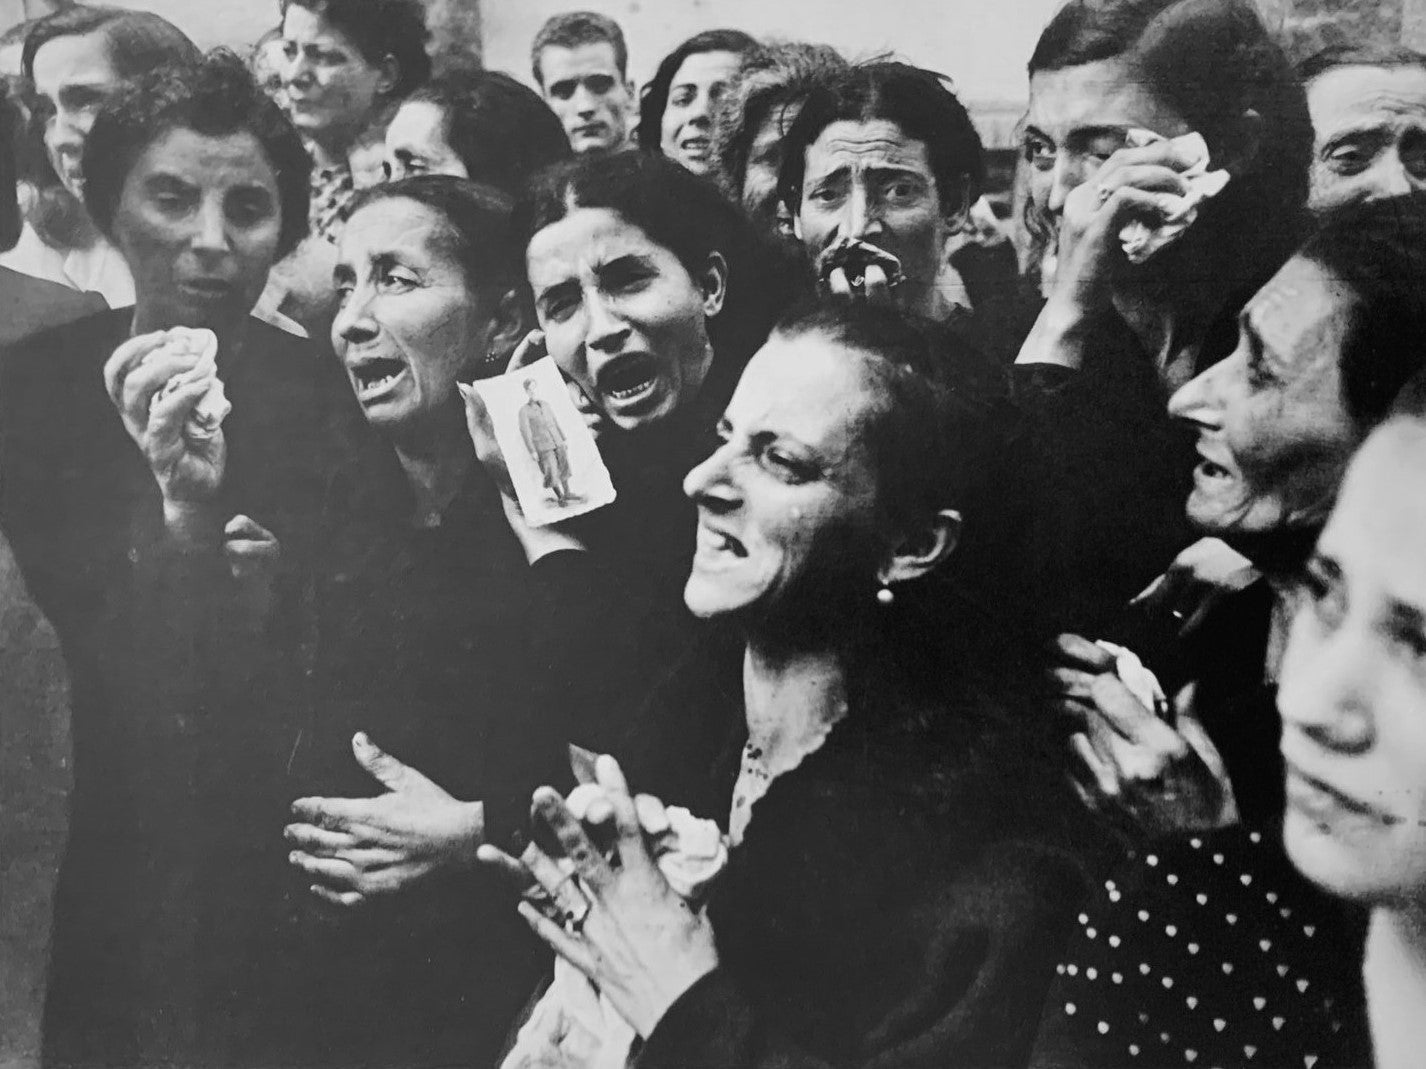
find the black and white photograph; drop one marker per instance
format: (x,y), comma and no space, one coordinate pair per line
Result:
(713,534)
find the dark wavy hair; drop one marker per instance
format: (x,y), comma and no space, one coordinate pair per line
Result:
(918,101)
(1210,61)
(571,29)
(1357,55)
(478,225)
(501,130)
(214,96)
(654,97)
(377,29)
(685,214)
(136,42)
(778,76)
(1378,249)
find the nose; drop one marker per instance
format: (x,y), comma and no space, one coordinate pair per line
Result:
(1398,179)
(584,100)
(393,169)
(710,483)
(700,110)
(860,218)
(1196,401)
(1328,686)
(1064,179)
(354,323)
(210,233)
(298,70)
(605,332)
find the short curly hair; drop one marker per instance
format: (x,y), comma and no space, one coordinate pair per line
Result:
(377,29)
(215,96)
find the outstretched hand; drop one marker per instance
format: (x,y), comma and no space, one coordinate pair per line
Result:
(357,848)
(638,940)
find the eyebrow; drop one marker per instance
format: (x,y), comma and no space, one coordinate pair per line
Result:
(343,272)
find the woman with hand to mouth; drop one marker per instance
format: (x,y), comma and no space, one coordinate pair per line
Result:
(418,653)
(677,107)
(1353,704)
(1323,350)
(895,893)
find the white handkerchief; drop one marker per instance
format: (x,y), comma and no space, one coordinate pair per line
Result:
(1140,240)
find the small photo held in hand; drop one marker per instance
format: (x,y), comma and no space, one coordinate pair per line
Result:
(553,459)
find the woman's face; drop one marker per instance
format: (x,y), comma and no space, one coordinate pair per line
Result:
(622,316)
(686,131)
(332,90)
(407,326)
(198,221)
(73,78)
(791,492)
(1273,430)
(1353,685)
(1078,118)
(416,143)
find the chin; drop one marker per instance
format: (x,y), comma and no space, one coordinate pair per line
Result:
(707,597)
(1342,869)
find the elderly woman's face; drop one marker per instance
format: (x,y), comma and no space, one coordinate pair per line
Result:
(759,193)
(1078,118)
(416,143)
(73,78)
(622,316)
(686,131)
(408,326)
(791,491)
(198,221)
(1369,134)
(1353,685)
(871,181)
(331,89)
(1273,430)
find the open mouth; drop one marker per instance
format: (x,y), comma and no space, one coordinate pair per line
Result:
(629,379)
(375,378)
(715,543)
(697,147)
(1211,469)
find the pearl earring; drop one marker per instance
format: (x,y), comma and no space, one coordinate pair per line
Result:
(884,596)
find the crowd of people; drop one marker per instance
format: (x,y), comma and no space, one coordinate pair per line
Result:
(1006,642)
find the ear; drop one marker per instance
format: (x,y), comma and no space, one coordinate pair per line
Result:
(1240,155)
(510,323)
(955,211)
(714,283)
(388,75)
(922,550)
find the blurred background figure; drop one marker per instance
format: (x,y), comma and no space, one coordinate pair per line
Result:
(581,65)
(481,125)
(72,62)
(1368,108)
(755,115)
(677,107)
(346,64)
(267,62)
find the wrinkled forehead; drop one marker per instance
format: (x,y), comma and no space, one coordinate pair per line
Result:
(1302,316)
(868,145)
(1108,93)
(1360,95)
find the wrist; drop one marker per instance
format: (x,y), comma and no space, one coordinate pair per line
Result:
(469,833)
(192,526)
(1059,334)
(537,542)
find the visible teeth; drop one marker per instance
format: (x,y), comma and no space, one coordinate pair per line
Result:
(630,391)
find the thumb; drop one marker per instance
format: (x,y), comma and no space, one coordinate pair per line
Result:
(380,765)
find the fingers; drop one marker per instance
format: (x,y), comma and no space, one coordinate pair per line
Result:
(125,359)
(838,283)
(170,411)
(380,765)
(531,348)
(509,867)
(345,899)
(1134,721)
(319,841)
(558,940)
(548,807)
(1072,683)
(1166,153)
(1078,652)
(876,288)
(1141,176)
(633,853)
(334,814)
(368,871)
(245,528)
(1103,776)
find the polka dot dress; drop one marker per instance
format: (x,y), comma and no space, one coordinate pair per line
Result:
(1208,951)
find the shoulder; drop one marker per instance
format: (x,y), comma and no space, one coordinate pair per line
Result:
(29,305)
